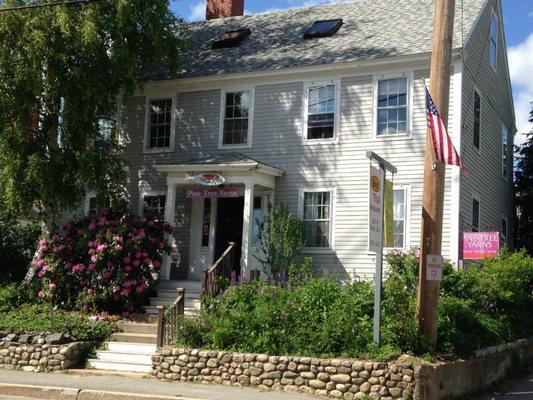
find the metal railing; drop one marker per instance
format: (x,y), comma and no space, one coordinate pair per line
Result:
(168,319)
(223,267)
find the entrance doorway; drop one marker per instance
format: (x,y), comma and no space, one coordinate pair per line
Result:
(229,228)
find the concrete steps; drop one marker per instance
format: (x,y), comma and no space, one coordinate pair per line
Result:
(167,293)
(124,356)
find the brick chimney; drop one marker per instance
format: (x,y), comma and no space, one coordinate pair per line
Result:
(224,8)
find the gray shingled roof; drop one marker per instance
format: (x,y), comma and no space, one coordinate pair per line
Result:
(372,29)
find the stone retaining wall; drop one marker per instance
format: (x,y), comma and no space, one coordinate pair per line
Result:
(338,378)
(44,356)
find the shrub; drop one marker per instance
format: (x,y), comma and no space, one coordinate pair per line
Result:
(104,262)
(36,319)
(13,296)
(281,240)
(17,246)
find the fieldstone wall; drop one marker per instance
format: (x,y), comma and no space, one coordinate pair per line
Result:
(338,378)
(42,356)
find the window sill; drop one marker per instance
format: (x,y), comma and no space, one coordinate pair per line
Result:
(158,150)
(234,146)
(391,137)
(315,142)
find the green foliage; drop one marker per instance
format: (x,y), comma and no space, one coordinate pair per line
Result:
(281,240)
(13,296)
(17,246)
(36,318)
(192,332)
(61,70)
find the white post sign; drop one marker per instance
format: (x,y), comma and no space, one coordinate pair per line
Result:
(375,216)
(434,264)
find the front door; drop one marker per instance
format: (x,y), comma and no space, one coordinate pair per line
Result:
(229,228)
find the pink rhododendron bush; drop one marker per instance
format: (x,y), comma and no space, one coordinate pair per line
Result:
(103,263)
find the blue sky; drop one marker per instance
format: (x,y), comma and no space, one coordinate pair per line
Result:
(518,22)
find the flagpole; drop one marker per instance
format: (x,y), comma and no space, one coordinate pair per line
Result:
(434,170)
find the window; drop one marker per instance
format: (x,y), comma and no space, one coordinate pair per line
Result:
(494,40)
(92,206)
(206,224)
(392,107)
(321,108)
(237,110)
(505,150)
(475,215)
(231,38)
(399,204)
(257,219)
(477,118)
(154,204)
(503,231)
(159,123)
(323,28)
(317,218)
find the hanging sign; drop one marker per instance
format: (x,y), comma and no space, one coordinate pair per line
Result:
(434,265)
(375,219)
(206,179)
(197,193)
(478,245)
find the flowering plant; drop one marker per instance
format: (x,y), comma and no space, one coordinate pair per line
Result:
(102,262)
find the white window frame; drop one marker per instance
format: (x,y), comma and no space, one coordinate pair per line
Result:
(146,146)
(410,109)
(505,152)
(478,91)
(493,16)
(333,201)
(407,224)
(87,202)
(506,233)
(144,193)
(477,197)
(211,222)
(337,110)
(249,139)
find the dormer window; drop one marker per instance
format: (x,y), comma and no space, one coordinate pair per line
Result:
(323,28)
(231,38)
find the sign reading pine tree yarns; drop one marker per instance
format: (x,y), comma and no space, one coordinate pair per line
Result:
(479,245)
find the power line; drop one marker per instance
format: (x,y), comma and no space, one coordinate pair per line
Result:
(43,5)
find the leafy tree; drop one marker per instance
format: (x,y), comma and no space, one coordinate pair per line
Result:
(524,192)
(61,69)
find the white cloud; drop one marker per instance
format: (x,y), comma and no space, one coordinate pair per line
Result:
(521,65)
(197,11)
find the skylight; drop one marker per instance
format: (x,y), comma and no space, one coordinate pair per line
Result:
(323,28)
(231,38)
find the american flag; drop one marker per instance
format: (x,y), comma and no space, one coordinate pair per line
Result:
(442,144)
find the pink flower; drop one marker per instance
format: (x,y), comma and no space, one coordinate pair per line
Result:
(41,273)
(144,254)
(116,288)
(92,226)
(150,223)
(139,289)
(90,291)
(125,292)
(127,283)
(101,247)
(118,247)
(127,268)
(138,254)
(39,262)
(162,245)
(126,260)
(107,274)
(157,264)
(40,294)
(91,267)
(52,286)
(136,263)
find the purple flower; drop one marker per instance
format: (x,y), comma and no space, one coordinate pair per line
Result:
(126,260)
(92,226)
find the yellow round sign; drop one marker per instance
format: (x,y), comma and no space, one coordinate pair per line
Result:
(375,183)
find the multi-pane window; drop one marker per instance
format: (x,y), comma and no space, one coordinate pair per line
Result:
(154,204)
(505,150)
(503,231)
(399,204)
(477,118)
(392,107)
(206,223)
(317,218)
(94,208)
(160,125)
(321,112)
(236,118)
(475,215)
(494,40)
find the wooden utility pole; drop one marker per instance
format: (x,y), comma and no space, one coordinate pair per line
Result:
(434,171)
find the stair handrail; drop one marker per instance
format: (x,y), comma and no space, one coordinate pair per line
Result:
(222,267)
(168,319)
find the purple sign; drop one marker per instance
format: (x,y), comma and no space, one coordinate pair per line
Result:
(212,193)
(478,245)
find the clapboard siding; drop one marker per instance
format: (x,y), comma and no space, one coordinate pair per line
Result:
(277,141)
(484,166)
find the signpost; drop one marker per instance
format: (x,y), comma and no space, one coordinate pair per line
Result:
(376,205)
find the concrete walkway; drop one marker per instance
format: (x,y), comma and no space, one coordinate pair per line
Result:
(17,385)
(520,389)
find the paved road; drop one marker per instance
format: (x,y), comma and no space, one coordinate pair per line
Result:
(521,389)
(140,385)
